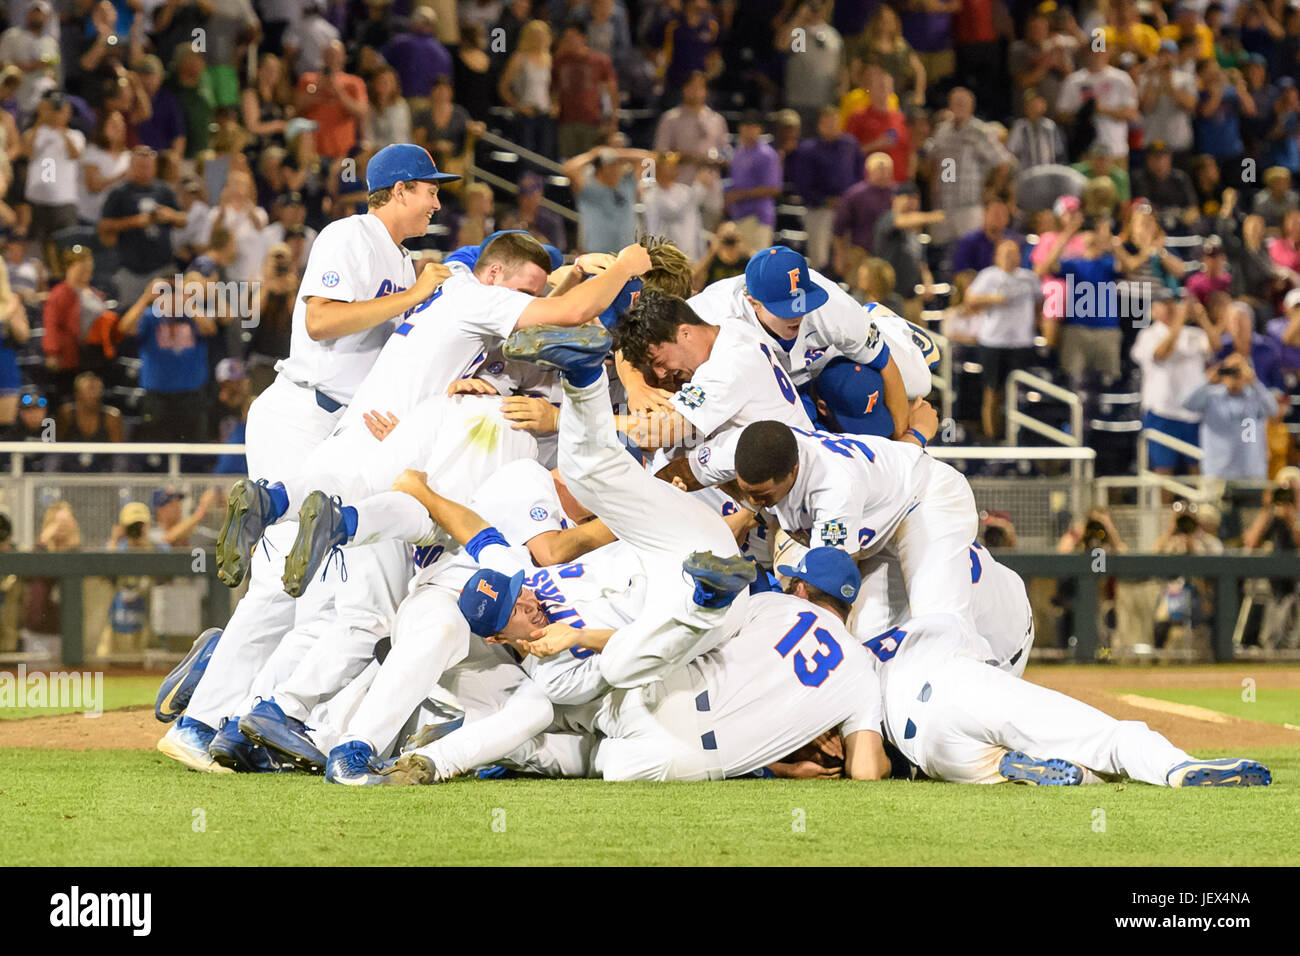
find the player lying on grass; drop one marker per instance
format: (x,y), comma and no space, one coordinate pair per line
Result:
(957,718)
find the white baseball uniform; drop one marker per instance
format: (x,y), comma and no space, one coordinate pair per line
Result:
(352,259)
(790,674)
(955,716)
(865,493)
(912,348)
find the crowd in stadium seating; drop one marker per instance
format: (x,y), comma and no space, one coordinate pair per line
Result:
(973,164)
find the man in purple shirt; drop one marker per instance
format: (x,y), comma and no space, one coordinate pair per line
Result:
(824,169)
(755,184)
(689,38)
(928,28)
(417,56)
(974,250)
(860,207)
(166,126)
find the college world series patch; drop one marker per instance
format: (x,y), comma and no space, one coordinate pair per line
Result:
(692,396)
(834,533)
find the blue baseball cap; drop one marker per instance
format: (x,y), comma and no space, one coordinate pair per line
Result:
(164,496)
(778,278)
(829,570)
(622,302)
(855,398)
(488,599)
(402,163)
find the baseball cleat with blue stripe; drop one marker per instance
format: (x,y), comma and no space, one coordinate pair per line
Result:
(719,580)
(321,534)
(354,764)
(232,749)
(576,349)
(249,509)
(187,741)
(1054,772)
(1224,772)
(286,737)
(178,686)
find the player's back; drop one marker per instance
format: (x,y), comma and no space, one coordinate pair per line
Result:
(791,673)
(352,260)
(445,338)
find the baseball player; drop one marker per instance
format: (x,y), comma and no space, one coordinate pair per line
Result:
(358,280)
(959,719)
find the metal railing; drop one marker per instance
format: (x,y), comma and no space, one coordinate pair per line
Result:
(514,152)
(941,380)
(1016,419)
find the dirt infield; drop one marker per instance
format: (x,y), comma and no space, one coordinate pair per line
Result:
(135,728)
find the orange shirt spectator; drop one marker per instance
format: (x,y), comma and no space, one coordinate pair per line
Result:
(883,131)
(335,101)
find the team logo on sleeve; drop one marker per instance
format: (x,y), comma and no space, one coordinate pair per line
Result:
(873,336)
(834,534)
(692,396)
(703,456)
(538,514)
(330,279)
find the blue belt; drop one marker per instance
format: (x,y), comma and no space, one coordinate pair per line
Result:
(327,403)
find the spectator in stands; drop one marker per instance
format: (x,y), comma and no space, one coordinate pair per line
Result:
(880,126)
(1035,139)
(786,137)
(1171,355)
(1234,408)
(728,254)
(604,188)
(266,102)
(1098,102)
(882,44)
(270,337)
(928,28)
(69,310)
(1222,102)
(812,65)
(997,531)
(289,213)
(35,424)
(1208,185)
(672,208)
(172,528)
(389,117)
(755,183)
(32,49)
(417,56)
(898,242)
(1280,127)
(525,87)
(586,89)
(531,215)
(1285,249)
(1167,97)
(86,418)
(1090,338)
(1277,198)
(233,400)
(824,169)
(977,28)
(473,74)
(1007,297)
(173,361)
(1187,23)
(1164,187)
(699,136)
(15,330)
(103,165)
(28,277)
(1237,334)
(607,31)
(1038,62)
(1285,330)
(139,215)
(477,222)
(335,101)
(239,213)
(964,157)
(165,128)
(53,151)
(445,128)
(690,42)
(860,208)
(40,615)
(975,249)
(1255,276)
(1099,163)
(305,45)
(194,97)
(1143,256)
(874,281)
(1214,276)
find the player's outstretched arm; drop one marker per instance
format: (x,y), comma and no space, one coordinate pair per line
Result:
(895,396)
(864,756)
(569,544)
(458,521)
(331,319)
(588,299)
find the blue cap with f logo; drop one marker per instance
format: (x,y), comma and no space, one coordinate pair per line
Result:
(778,278)
(488,599)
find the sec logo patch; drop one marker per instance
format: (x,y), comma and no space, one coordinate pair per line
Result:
(330,279)
(704,455)
(538,514)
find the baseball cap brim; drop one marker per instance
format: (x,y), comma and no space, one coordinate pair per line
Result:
(794,307)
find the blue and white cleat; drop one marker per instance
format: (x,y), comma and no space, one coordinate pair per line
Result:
(354,764)
(719,580)
(1224,772)
(187,741)
(232,749)
(580,349)
(249,510)
(322,532)
(1055,772)
(286,737)
(178,686)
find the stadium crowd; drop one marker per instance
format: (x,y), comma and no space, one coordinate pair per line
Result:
(977,166)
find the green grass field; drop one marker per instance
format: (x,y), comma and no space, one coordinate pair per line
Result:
(136,807)
(106,808)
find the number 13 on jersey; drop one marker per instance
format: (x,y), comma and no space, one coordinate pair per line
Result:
(812,672)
